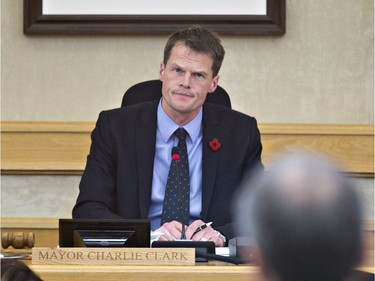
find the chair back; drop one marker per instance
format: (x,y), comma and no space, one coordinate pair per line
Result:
(151,90)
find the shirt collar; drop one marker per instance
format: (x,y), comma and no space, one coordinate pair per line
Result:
(167,126)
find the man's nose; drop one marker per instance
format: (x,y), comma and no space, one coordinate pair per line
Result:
(185,80)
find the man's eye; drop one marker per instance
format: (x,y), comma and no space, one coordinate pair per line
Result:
(198,75)
(177,69)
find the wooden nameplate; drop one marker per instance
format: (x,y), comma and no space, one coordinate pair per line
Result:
(114,256)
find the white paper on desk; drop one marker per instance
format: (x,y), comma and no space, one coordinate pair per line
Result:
(222,251)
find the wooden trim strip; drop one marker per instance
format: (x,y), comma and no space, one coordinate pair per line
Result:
(276,128)
(47,127)
(30,222)
(317,129)
(62,147)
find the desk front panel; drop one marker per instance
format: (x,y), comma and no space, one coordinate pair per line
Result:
(146,273)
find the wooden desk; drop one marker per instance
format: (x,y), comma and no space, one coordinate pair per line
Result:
(46,233)
(215,271)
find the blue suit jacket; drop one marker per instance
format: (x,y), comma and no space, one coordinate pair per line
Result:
(117,180)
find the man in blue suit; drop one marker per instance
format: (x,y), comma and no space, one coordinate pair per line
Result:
(130,155)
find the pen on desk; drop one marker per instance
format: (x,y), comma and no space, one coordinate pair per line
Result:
(200,228)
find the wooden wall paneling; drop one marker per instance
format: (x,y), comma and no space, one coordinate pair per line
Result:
(45,147)
(62,147)
(351,145)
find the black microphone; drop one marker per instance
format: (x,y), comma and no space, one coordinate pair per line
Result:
(176,157)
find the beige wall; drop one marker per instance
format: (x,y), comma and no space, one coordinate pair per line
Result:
(320,71)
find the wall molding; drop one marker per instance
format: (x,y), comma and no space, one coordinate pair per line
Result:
(62,147)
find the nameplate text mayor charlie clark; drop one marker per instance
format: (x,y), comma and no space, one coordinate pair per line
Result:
(114,256)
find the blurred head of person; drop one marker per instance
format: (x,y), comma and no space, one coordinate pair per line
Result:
(303,218)
(15,270)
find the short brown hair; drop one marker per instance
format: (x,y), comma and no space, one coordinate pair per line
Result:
(199,40)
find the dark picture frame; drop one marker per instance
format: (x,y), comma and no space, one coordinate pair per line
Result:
(37,23)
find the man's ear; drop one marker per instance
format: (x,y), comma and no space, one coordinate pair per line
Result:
(161,71)
(214,84)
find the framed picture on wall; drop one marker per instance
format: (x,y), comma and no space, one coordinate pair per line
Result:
(232,17)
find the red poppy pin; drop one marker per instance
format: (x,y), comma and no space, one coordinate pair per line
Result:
(214,144)
(175,156)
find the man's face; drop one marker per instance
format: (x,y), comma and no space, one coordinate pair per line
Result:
(187,78)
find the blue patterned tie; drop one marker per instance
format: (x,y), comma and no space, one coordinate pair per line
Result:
(177,192)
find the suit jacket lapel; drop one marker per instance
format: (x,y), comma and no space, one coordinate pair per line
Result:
(210,157)
(145,132)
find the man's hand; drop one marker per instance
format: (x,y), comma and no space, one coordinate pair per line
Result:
(207,234)
(172,231)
